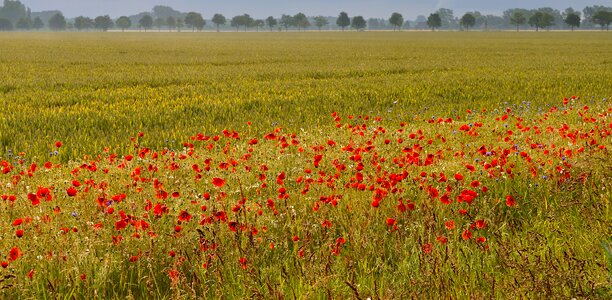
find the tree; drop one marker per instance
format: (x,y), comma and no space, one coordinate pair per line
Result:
(447,18)
(434,21)
(57,22)
(82,22)
(219,20)
(159,23)
(103,23)
(146,22)
(518,19)
(572,20)
(271,22)
(24,23)
(541,20)
(603,18)
(343,20)
(286,21)
(194,20)
(124,23)
(38,23)
(5,24)
(320,22)
(359,23)
(180,23)
(259,24)
(467,21)
(301,21)
(397,20)
(171,22)
(13,11)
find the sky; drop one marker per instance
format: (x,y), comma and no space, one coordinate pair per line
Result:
(263,8)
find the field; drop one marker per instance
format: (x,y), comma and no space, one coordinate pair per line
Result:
(306,165)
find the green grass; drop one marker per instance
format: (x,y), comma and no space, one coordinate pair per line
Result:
(396,94)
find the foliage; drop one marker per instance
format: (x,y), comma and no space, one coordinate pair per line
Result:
(146,22)
(5,24)
(195,21)
(541,20)
(57,22)
(343,20)
(300,21)
(358,23)
(434,21)
(397,20)
(467,21)
(103,23)
(218,20)
(124,23)
(518,18)
(572,20)
(82,22)
(321,21)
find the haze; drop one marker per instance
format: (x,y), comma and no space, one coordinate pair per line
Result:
(264,8)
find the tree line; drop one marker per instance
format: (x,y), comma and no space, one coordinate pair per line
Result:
(15,15)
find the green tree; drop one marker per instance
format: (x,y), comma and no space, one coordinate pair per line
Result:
(82,22)
(271,22)
(447,17)
(518,18)
(259,24)
(180,23)
(541,20)
(5,24)
(572,20)
(320,22)
(219,20)
(301,21)
(57,22)
(194,20)
(397,20)
(343,20)
(38,23)
(434,21)
(467,21)
(146,22)
(13,11)
(603,18)
(286,21)
(359,23)
(171,22)
(103,23)
(124,23)
(24,23)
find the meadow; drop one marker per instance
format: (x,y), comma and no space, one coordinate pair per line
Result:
(306,165)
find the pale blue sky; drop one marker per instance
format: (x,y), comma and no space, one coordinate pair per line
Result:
(263,8)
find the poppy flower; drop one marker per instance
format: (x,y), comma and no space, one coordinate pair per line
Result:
(71,192)
(19,233)
(34,199)
(184,216)
(58,144)
(4,264)
(14,254)
(218,182)
(44,193)
(466,235)
(243,262)
(450,225)
(510,202)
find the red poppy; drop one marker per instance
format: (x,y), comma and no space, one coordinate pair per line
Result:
(14,254)
(391,221)
(34,199)
(184,216)
(427,248)
(466,235)
(58,144)
(71,191)
(458,177)
(19,233)
(218,182)
(450,225)
(243,262)
(510,201)
(4,264)
(44,193)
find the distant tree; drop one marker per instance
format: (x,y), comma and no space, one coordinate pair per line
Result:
(146,22)
(320,22)
(434,21)
(301,21)
(13,11)
(171,22)
(343,20)
(271,22)
(219,20)
(124,23)
(286,21)
(82,22)
(103,23)
(572,20)
(518,19)
(397,20)
(359,23)
(24,23)
(541,20)
(159,23)
(57,22)
(161,11)
(468,20)
(38,23)
(447,18)
(180,23)
(236,21)
(5,24)
(259,24)
(194,20)
(603,18)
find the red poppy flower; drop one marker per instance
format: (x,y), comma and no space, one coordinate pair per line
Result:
(58,144)
(44,193)
(184,216)
(391,221)
(466,235)
(218,182)
(19,233)
(14,254)
(34,199)
(510,201)
(450,225)
(243,262)
(4,264)
(71,191)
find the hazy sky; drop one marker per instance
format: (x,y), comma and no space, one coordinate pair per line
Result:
(263,8)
